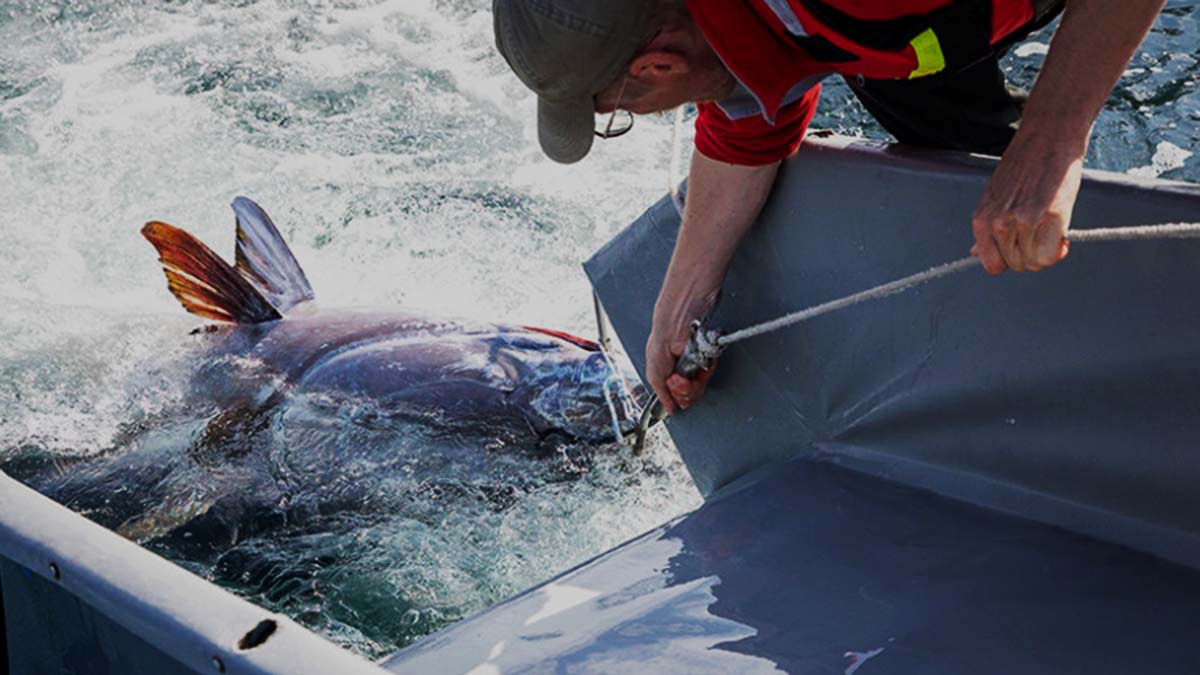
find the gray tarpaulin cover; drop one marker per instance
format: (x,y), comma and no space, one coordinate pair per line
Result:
(982,475)
(1071,395)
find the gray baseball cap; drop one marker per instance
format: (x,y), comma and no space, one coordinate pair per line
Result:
(567,51)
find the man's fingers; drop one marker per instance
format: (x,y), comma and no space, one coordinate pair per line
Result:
(1013,258)
(1006,232)
(1049,244)
(686,391)
(1029,240)
(675,391)
(666,399)
(985,247)
(659,365)
(681,390)
(664,395)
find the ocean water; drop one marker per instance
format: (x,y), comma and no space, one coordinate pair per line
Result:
(398,156)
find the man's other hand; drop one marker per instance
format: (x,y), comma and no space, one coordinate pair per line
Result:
(1021,222)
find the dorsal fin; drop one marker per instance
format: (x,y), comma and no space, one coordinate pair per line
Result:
(265,260)
(205,284)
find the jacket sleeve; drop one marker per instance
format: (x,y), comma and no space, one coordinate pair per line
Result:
(752,141)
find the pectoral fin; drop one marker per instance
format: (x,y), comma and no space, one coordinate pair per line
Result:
(205,284)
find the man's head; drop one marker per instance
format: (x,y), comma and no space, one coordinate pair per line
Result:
(578,54)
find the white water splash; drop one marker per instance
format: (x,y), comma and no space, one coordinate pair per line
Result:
(1167,157)
(397,154)
(1031,49)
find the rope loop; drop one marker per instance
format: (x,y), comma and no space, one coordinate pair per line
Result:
(703,347)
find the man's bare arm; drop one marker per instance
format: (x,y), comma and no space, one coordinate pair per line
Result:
(723,200)
(1022,219)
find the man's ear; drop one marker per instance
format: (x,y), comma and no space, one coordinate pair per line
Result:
(658,66)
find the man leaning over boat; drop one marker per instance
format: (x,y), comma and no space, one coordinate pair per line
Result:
(927,70)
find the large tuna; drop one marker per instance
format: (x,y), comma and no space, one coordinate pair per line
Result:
(503,386)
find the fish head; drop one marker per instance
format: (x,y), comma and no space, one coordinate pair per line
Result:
(590,396)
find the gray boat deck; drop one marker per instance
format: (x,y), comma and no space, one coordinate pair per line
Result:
(809,562)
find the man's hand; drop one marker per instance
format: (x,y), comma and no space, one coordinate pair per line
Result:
(1021,222)
(668,339)
(723,200)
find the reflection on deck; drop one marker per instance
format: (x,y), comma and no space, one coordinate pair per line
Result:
(815,568)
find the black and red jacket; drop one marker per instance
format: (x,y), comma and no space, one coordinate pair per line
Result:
(780,50)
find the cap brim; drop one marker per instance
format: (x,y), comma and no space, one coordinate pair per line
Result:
(566,129)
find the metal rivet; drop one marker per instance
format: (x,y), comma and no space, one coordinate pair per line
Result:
(218,664)
(55,572)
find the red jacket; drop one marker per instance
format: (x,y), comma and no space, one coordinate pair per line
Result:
(760,43)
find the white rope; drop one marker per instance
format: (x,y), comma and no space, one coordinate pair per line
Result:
(850,300)
(612,411)
(616,376)
(707,344)
(1165,231)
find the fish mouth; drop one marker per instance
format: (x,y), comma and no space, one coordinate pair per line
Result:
(625,398)
(608,402)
